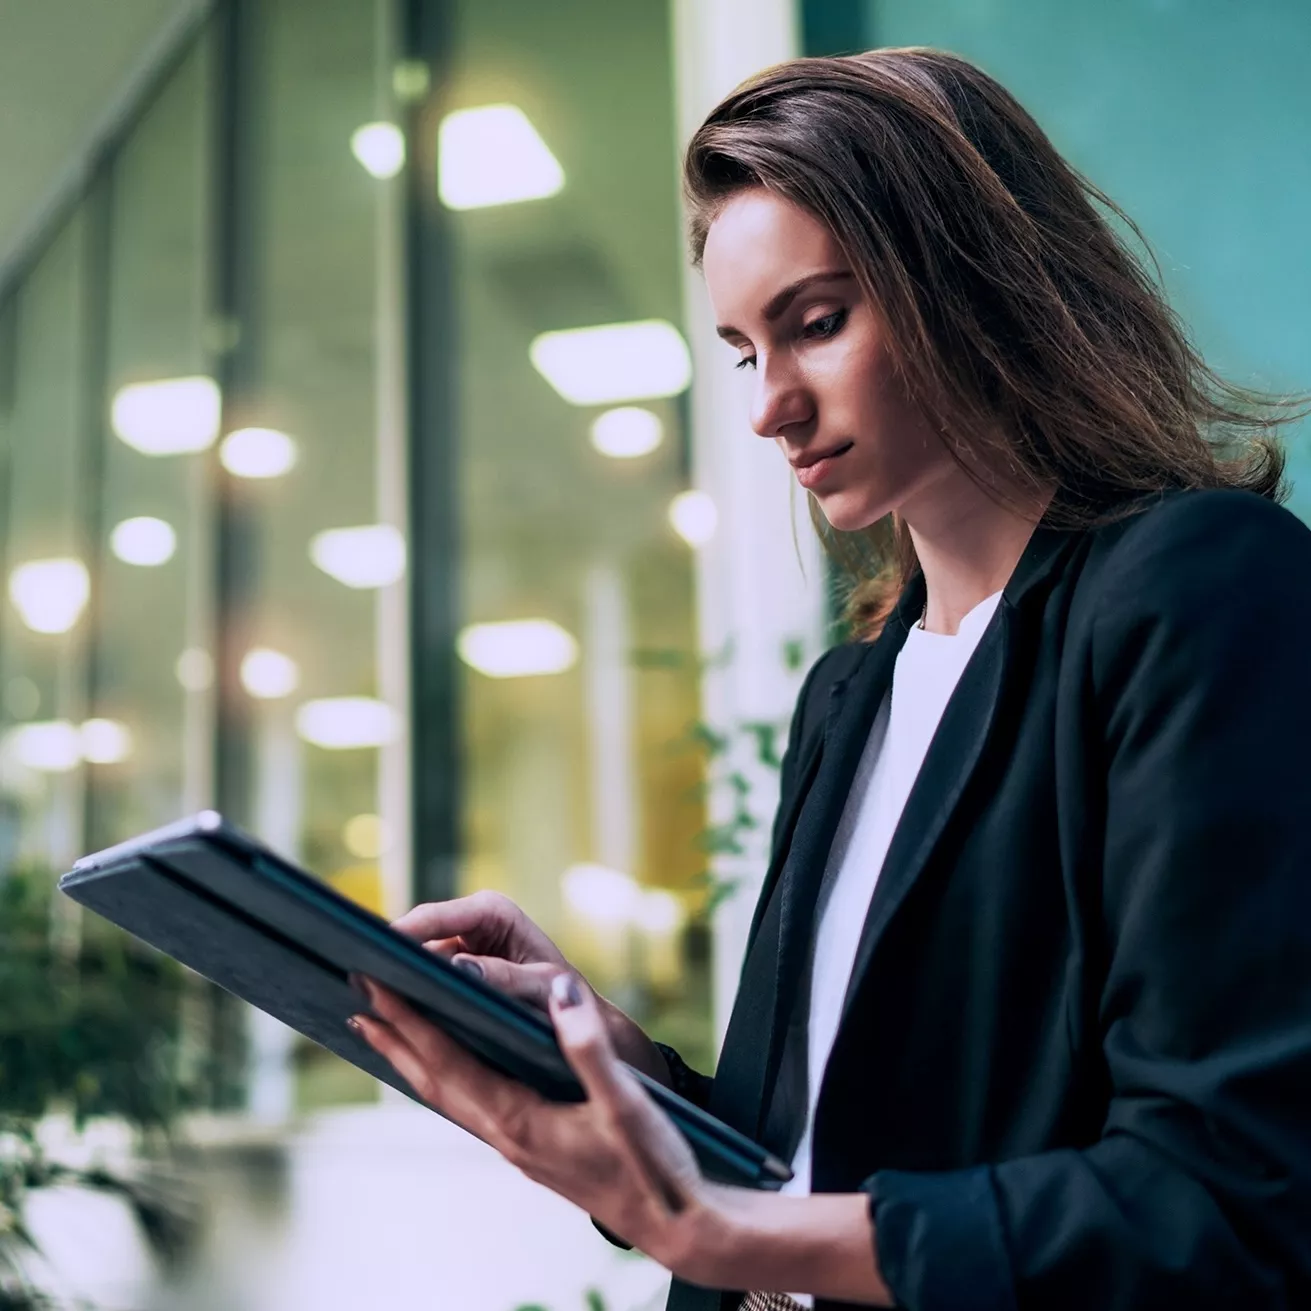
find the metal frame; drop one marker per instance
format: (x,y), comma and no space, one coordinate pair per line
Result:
(235,317)
(434,520)
(98,223)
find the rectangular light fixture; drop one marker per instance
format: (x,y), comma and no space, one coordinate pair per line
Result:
(517,648)
(170,417)
(341,722)
(493,155)
(614,362)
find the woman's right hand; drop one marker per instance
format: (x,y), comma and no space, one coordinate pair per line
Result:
(487,934)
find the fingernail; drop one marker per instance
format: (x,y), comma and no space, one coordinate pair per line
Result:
(355,1026)
(565,990)
(356,981)
(470,966)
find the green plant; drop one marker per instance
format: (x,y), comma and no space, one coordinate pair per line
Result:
(592,1299)
(90,1024)
(167,1221)
(94,1029)
(726,748)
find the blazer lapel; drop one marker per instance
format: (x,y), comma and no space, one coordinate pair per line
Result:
(950,762)
(784,919)
(956,748)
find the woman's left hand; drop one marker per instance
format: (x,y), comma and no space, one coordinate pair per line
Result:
(617,1155)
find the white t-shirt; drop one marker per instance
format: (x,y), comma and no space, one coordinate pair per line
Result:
(927,670)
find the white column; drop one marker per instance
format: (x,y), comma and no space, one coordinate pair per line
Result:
(608,684)
(608,678)
(761,580)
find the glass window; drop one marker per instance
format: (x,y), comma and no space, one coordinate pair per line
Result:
(322,558)
(558,162)
(49,579)
(153,668)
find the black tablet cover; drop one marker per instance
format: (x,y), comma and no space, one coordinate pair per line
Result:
(226,906)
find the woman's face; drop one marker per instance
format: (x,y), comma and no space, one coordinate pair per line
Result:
(825,389)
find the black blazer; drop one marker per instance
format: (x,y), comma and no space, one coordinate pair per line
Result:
(1074,1066)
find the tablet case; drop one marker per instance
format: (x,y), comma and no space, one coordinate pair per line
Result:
(285,942)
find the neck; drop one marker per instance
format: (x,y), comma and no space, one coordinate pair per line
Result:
(968,546)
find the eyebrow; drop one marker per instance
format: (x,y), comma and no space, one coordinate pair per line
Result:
(780,300)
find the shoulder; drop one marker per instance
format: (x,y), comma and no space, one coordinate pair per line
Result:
(1197,552)
(1213,534)
(1197,576)
(836,665)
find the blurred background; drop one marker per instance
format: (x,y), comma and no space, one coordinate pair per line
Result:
(369,471)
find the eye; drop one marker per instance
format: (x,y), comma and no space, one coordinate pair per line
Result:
(746,362)
(828,326)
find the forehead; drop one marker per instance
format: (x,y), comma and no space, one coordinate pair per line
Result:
(759,242)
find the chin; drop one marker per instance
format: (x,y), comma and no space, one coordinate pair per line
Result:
(850,513)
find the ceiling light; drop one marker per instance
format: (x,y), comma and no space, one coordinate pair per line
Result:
(168,417)
(49,595)
(517,648)
(347,721)
(604,896)
(694,517)
(195,669)
(269,674)
(380,147)
(627,432)
(614,362)
(53,746)
(370,556)
(493,155)
(257,453)
(365,836)
(105,741)
(143,541)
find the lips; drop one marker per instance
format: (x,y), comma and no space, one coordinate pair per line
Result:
(814,466)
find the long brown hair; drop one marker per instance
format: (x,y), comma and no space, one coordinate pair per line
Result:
(1031,332)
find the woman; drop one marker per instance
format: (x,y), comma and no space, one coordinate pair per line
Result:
(1027,998)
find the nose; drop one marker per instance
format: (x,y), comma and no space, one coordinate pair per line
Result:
(780,402)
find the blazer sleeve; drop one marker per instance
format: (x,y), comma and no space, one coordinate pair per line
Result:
(1198,1192)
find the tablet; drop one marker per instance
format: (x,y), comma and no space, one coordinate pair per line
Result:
(228,907)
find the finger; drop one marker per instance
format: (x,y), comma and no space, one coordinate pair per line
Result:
(449,1076)
(392,1047)
(446,946)
(479,914)
(646,1135)
(583,1037)
(527,983)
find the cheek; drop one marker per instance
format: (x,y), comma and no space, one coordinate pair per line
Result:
(848,382)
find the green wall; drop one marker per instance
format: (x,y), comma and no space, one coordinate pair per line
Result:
(1194,116)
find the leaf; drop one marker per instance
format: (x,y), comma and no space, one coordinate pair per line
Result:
(794,654)
(659,658)
(720,891)
(595,1302)
(702,735)
(721,840)
(766,736)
